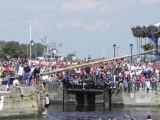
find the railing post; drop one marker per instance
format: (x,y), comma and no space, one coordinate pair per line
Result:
(110,98)
(63,98)
(104,98)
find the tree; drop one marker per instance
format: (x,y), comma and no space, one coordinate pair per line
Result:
(70,56)
(2,53)
(147,47)
(2,44)
(39,49)
(13,49)
(24,50)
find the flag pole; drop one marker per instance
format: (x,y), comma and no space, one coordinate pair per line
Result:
(30,37)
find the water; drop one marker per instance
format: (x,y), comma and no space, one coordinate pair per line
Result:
(72,112)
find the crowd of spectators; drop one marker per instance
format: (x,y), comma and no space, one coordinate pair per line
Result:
(120,73)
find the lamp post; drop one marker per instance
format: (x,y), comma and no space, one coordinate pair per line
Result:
(54,53)
(35,50)
(31,44)
(75,53)
(114,48)
(131,47)
(117,51)
(51,52)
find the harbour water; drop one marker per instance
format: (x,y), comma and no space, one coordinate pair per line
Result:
(72,112)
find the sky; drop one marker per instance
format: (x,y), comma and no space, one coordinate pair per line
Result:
(86,27)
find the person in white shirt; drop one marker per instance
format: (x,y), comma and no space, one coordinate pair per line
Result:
(147,84)
(46,103)
(20,73)
(15,82)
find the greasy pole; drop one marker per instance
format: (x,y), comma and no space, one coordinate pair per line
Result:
(95,62)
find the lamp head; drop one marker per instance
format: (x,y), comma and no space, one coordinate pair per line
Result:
(131,45)
(32,42)
(114,45)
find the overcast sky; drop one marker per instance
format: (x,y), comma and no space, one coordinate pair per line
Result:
(85,26)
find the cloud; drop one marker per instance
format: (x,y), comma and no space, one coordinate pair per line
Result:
(8,25)
(149,2)
(94,26)
(72,23)
(97,25)
(86,6)
(33,7)
(36,24)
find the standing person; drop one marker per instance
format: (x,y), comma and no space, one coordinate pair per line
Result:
(35,73)
(148,85)
(137,83)
(46,103)
(1,71)
(20,73)
(26,75)
(142,79)
(125,82)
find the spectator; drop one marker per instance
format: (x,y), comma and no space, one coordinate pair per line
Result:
(149,117)
(20,73)
(15,82)
(26,75)
(46,103)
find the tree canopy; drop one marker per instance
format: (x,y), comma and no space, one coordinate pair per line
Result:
(147,47)
(15,49)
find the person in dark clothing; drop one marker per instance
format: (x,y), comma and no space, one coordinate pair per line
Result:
(26,75)
(149,117)
(35,74)
(87,70)
(27,69)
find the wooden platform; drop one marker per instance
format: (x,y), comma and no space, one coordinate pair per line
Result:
(74,91)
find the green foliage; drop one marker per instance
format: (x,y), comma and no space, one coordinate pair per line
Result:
(24,50)
(12,48)
(2,44)
(39,49)
(15,49)
(70,56)
(147,47)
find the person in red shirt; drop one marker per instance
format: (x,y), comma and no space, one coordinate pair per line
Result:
(143,79)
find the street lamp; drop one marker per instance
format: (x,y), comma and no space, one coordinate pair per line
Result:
(117,51)
(50,51)
(54,53)
(131,47)
(114,47)
(31,44)
(75,53)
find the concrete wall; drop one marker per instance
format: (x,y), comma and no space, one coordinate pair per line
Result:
(55,91)
(26,101)
(137,98)
(20,104)
(132,98)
